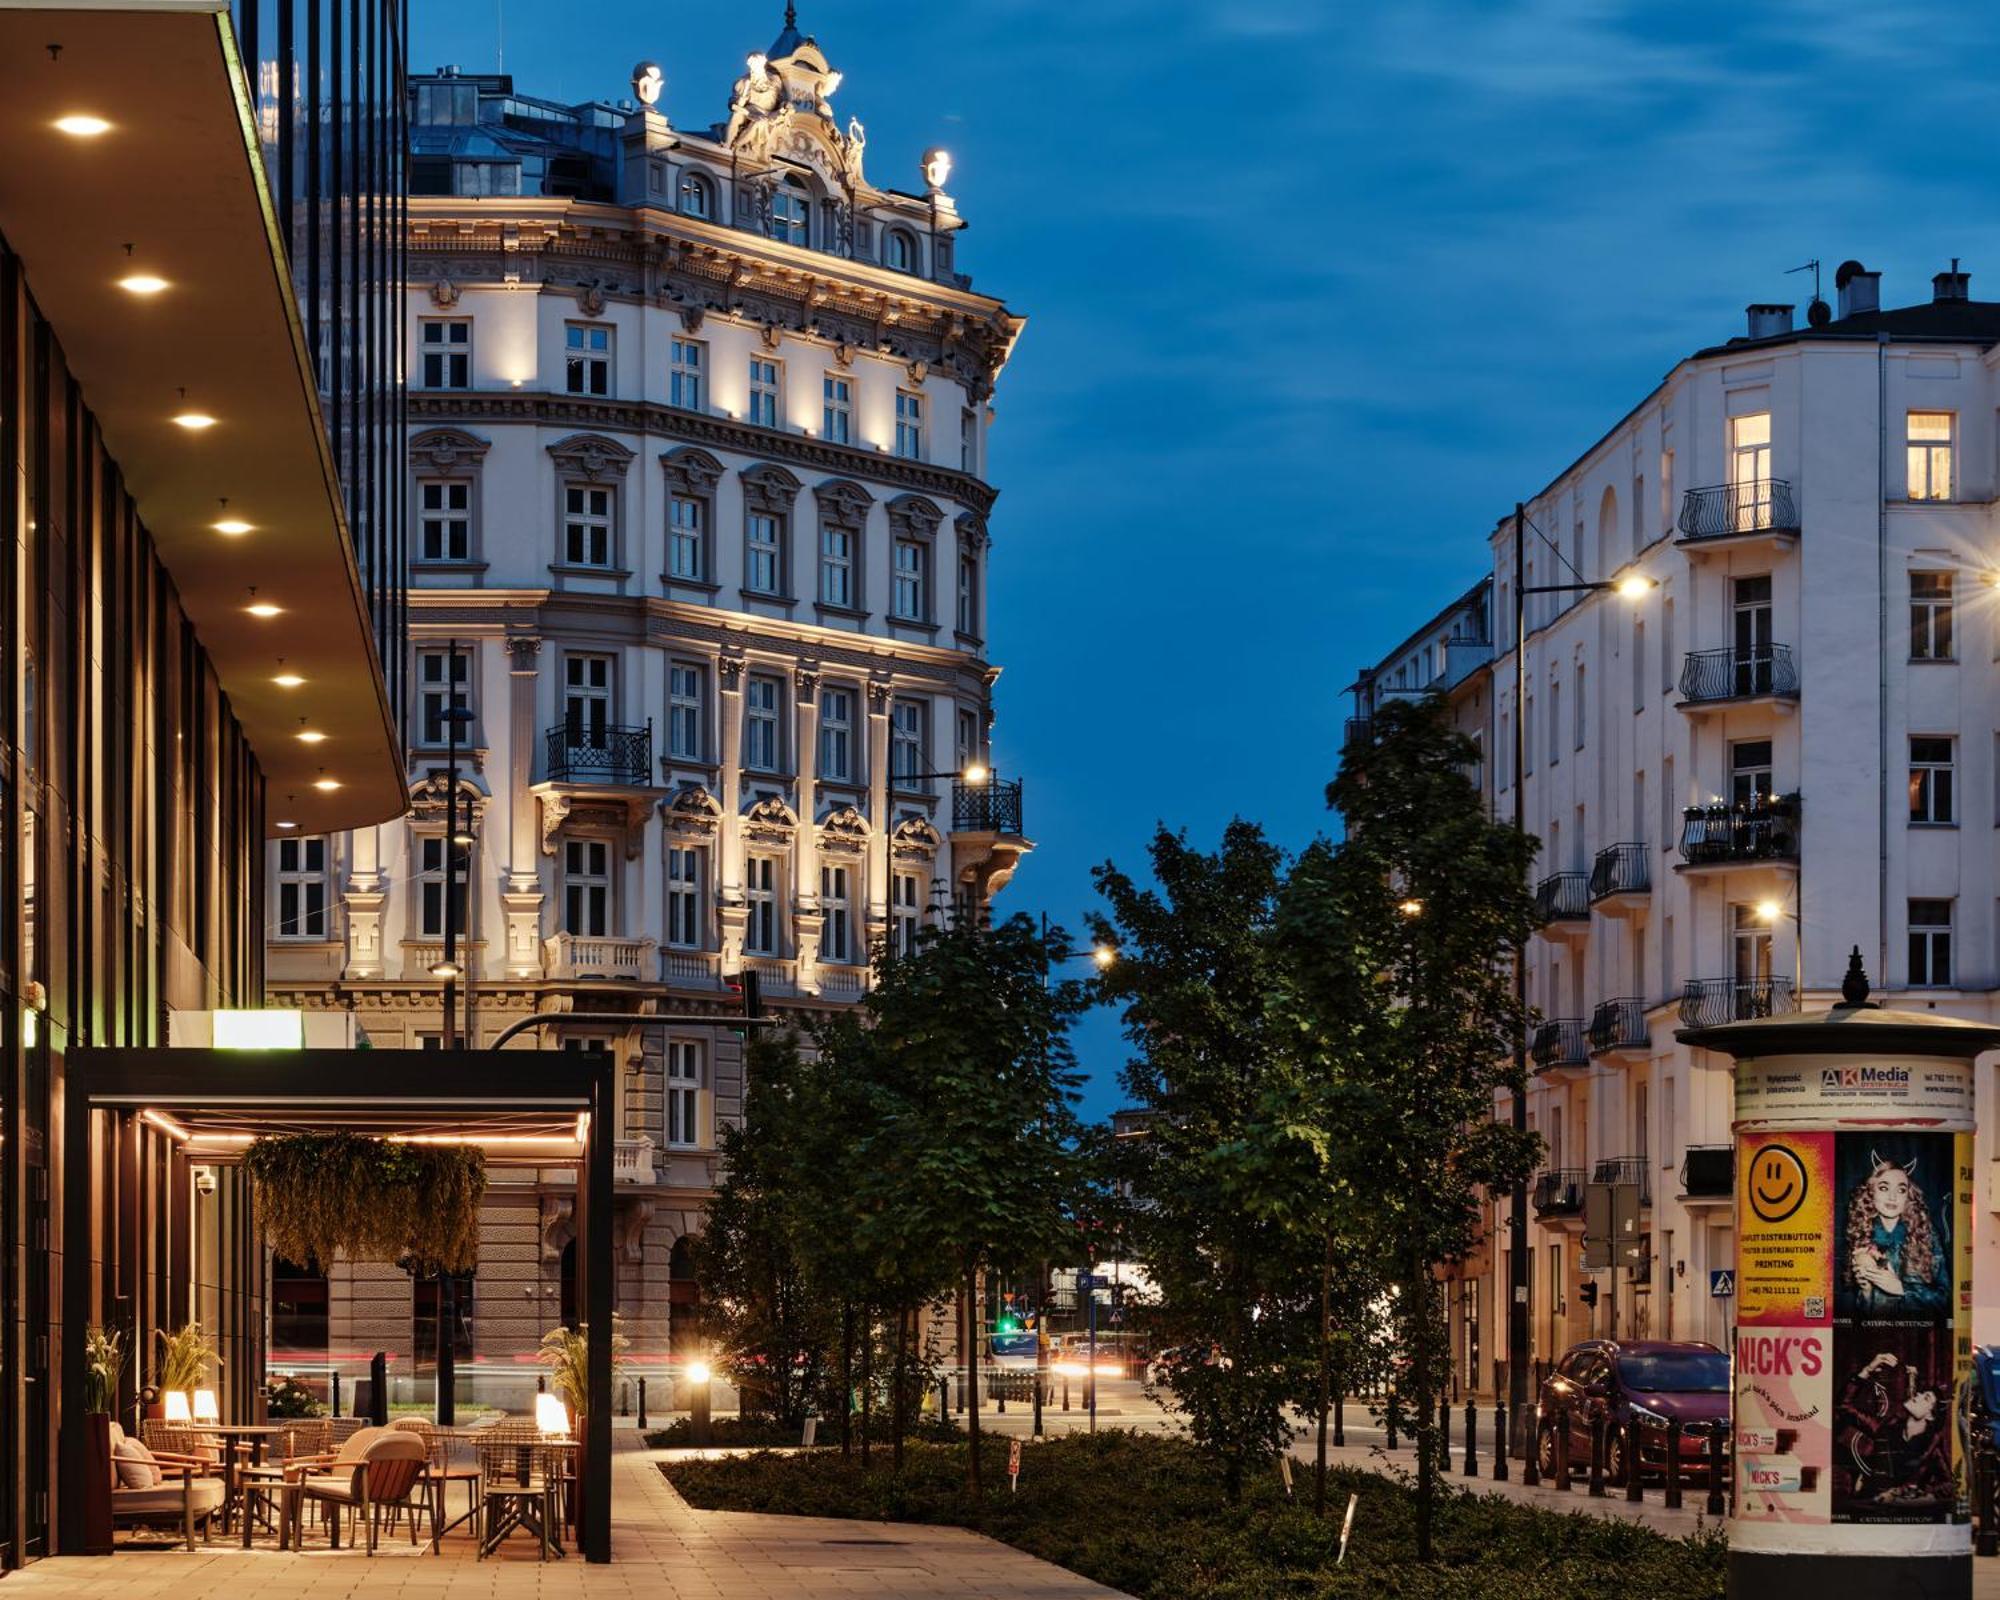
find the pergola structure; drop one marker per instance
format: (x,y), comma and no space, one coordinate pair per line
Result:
(542,1107)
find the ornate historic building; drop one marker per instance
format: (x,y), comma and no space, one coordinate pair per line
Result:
(699,540)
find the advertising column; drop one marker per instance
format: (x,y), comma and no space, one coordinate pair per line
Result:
(1854,1302)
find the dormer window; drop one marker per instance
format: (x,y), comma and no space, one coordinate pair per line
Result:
(899,251)
(791,213)
(697,196)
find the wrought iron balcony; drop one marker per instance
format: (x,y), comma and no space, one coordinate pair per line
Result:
(1708,1172)
(1620,1025)
(992,805)
(1626,1169)
(1621,869)
(1710,1002)
(1561,1043)
(1559,1192)
(1563,897)
(1720,835)
(620,757)
(1730,510)
(1711,675)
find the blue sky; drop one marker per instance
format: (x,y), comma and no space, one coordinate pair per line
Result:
(1315,292)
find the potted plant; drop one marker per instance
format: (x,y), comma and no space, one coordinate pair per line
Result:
(184,1361)
(566,1353)
(103,1368)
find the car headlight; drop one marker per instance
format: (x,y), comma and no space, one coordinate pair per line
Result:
(1647,1418)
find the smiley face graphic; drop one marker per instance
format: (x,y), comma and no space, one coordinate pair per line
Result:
(1777,1183)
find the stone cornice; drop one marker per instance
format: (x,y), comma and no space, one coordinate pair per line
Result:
(465,407)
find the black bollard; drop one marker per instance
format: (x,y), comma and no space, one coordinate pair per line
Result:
(1597,1456)
(1635,1477)
(1531,1464)
(378,1386)
(642,1403)
(1715,1470)
(944,1398)
(1562,1448)
(1389,1421)
(334,1409)
(996,1381)
(1471,1440)
(1444,1434)
(1339,1421)
(1673,1496)
(1979,1469)
(1500,1442)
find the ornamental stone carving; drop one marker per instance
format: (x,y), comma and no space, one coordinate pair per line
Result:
(522,649)
(911,516)
(692,317)
(591,456)
(770,821)
(918,371)
(805,682)
(446,450)
(555,812)
(427,803)
(759,110)
(844,831)
(769,490)
(691,811)
(843,503)
(914,839)
(590,299)
(971,530)
(691,470)
(444,294)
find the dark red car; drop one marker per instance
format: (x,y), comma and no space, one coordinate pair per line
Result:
(1638,1386)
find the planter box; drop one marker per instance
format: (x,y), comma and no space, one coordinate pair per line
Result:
(97,1484)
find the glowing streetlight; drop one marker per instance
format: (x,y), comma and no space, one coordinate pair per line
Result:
(1411,907)
(1104,955)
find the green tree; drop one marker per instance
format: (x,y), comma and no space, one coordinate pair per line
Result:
(1399,940)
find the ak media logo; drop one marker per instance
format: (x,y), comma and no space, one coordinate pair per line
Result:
(1863,1080)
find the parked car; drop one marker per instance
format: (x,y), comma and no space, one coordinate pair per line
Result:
(1638,1386)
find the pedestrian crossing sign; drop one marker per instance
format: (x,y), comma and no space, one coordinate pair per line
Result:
(1722,1283)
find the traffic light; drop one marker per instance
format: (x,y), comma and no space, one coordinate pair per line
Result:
(1587,1293)
(748,987)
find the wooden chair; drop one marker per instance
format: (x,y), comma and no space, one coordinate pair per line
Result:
(376,1468)
(517,1488)
(307,1441)
(187,1493)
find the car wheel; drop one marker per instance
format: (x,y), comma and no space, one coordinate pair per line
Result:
(1545,1452)
(1616,1445)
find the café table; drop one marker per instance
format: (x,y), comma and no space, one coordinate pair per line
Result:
(253,1434)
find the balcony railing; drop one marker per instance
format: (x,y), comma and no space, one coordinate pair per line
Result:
(691,969)
(1710,1002)
(632,1161)
(1708,1172)
(1626,1169)
(993,806)
(1561,1043)
(1762,830)
(618,756)
(1711,675)
(1763,505)
(843,983)
(1621,869)
(1563,897)
(575,955)
(1559,1192)
(774,976)
(1620,1025)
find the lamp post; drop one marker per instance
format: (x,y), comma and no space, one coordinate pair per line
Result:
(1631,587)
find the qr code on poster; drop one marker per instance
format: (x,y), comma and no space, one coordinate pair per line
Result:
(1815,1307)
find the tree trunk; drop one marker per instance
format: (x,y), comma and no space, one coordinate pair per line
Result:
(899,1402)
(972,1379)
(867,1379)
(846,1378)
(1325,1373)
(1425,1420)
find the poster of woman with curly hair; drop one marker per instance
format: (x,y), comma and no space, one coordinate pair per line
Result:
(1892,1260)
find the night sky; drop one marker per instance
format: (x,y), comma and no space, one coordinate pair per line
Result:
(1314,293)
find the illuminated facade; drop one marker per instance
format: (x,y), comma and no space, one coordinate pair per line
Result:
(697,486)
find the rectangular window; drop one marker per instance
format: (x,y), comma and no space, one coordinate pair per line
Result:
(837,410)
(685,877)
(836,735)
(687,367)
(1638,665)
(1930,616)
(761,744)
(1933,785)
(685,719)
(906,741)
(763,567)
(587,357)
(587,887)
(760,938)
(765,392)
(966,744)
(906,908)
(968,596)
(1928,448)
(434,696)
(790,216)
(909,594)
(1930,944)
(1670,799)
(1555,721)
(836,567)
(586,525)
(301,877)
(683,1093)
(1579,710)
(1750,780)
(836,903)
(1750,942)
(446,346)
(1750,472)
(1667,647)
(968,440)
(909,425)
(685,540)
(430,881)
(1666,491)
(444,530)
(587,700)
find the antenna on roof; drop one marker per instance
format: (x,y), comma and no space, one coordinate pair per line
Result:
(499,35)
(1817,314)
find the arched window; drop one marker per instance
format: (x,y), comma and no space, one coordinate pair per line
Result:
(791,212)
(697,195)
(1609,547)
(899,251)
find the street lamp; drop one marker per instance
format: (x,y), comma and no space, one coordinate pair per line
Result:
(1632,587)
(1771,913)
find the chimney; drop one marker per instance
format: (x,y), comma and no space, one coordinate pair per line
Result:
(1767,322)
(1952,285)
(1859,290)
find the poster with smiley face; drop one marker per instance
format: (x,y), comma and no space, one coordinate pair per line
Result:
(1784,1219)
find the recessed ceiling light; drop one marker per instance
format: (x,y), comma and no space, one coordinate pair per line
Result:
(288,680)
(231,526)
(264,608)
(287,823)
(142,283)
(194,421)
(80,125)
(310,736)
(326,785)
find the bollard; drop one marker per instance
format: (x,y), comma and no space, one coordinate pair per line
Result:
(1986,1537)
(996,1382)
(1339,1422)
(1444,1434)
(1673,1496)
(1500,1442)
(642,1403)
(1597,1456)
(1471,1440)
(1389,1420)
(1635,1476)
(1065,1391)
(1715,1470)
(1562,1448)
(1531,1464)
(944,1398)
(334,1409)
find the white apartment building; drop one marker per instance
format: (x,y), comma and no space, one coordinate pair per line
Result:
(700,539)
(1788,747)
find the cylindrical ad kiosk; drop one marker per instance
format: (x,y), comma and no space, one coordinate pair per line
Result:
(1854,1299)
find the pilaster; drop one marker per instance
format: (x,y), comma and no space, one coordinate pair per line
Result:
(521,895)
(731,911)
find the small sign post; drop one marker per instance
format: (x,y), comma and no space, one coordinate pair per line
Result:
(1014,1466)
(1722,1283)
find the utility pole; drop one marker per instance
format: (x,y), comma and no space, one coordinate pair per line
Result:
(1517,1222)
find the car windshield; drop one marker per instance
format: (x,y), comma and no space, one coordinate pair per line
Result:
(1676,1372)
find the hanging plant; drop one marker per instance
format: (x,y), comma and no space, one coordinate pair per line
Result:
(322,1194)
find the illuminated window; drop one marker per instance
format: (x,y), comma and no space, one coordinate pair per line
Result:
(765,380)
(685,540)
(1750,471)
(762,745)
(687,363)
(445,344)
(1933,771)
(760,891)
(1928,449)
(836,566)
(836,735)
(587,357)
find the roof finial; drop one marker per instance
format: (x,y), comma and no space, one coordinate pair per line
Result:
(1854,987)
(791,14)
